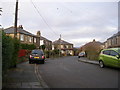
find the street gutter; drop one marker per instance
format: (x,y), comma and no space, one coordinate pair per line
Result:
(88,61)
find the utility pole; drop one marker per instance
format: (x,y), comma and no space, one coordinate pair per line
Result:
(16,16)
(60,46)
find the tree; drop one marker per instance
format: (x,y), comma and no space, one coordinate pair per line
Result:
(42,47)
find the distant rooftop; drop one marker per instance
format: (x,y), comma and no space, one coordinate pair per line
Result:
(59,41)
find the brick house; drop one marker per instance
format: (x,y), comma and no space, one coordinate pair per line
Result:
(24,36)
(113,41)
(65,47)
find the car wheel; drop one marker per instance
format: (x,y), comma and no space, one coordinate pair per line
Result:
(101,64)
(30,62)
(43,62)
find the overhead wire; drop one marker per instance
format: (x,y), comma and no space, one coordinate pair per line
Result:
(43,18)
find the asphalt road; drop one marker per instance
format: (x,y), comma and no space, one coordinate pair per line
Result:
(67,72)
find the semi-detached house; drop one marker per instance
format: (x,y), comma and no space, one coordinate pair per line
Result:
(65,47)
(24,36)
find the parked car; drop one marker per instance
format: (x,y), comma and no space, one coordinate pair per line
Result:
(81,54)
(37,56)
(110,57)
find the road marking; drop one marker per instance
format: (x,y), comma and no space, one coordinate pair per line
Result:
(42,82)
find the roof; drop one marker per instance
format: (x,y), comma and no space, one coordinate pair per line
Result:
(117,34)
(43,38)
(59,41)
(94,42)
(10,30)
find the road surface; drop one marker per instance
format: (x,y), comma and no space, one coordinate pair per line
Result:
(68,72)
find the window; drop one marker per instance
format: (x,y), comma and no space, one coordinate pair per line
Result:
(67,46)
(41,42)
(116,40)
(30,39)
(62,46)
(113,53)
(107,52)
(22,37)
(34,40)
(37,52)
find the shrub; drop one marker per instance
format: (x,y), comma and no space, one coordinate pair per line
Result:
(15,52)
(10,48)
(42,47)
(7,51)
(28,46)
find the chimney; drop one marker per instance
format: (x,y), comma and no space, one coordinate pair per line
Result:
(38,33)
(93,40)
(20,26)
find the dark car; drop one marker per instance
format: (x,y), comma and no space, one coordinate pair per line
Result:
(37,56)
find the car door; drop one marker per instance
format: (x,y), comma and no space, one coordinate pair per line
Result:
(105,57)
(113,60)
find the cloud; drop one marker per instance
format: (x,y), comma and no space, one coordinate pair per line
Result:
(78,22)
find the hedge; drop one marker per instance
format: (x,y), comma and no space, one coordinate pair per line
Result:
(10,48)
(27,46)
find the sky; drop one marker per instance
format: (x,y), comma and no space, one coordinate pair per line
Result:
(78,22)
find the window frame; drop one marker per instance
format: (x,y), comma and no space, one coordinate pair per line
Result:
(21,37)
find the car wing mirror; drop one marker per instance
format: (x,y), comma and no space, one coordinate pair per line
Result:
(118,56)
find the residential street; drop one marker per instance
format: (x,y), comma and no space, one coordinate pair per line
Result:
(65,72)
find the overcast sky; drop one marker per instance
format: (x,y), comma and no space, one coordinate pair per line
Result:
(77,22)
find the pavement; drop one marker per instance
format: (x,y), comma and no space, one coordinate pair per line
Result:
(83,59)
(24,76)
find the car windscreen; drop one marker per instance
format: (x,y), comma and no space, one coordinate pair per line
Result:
(37,52)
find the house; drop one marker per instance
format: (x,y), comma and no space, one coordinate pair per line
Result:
(46,42)
(92,49)
(65,47)
(24,36)
(94,46)
(113,41)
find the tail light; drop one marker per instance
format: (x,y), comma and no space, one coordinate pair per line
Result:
(43,57)
(31,56)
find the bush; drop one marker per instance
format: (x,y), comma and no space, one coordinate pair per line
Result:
(15,53)
(7,51)
(28,46)
(10,48)
(47,54)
